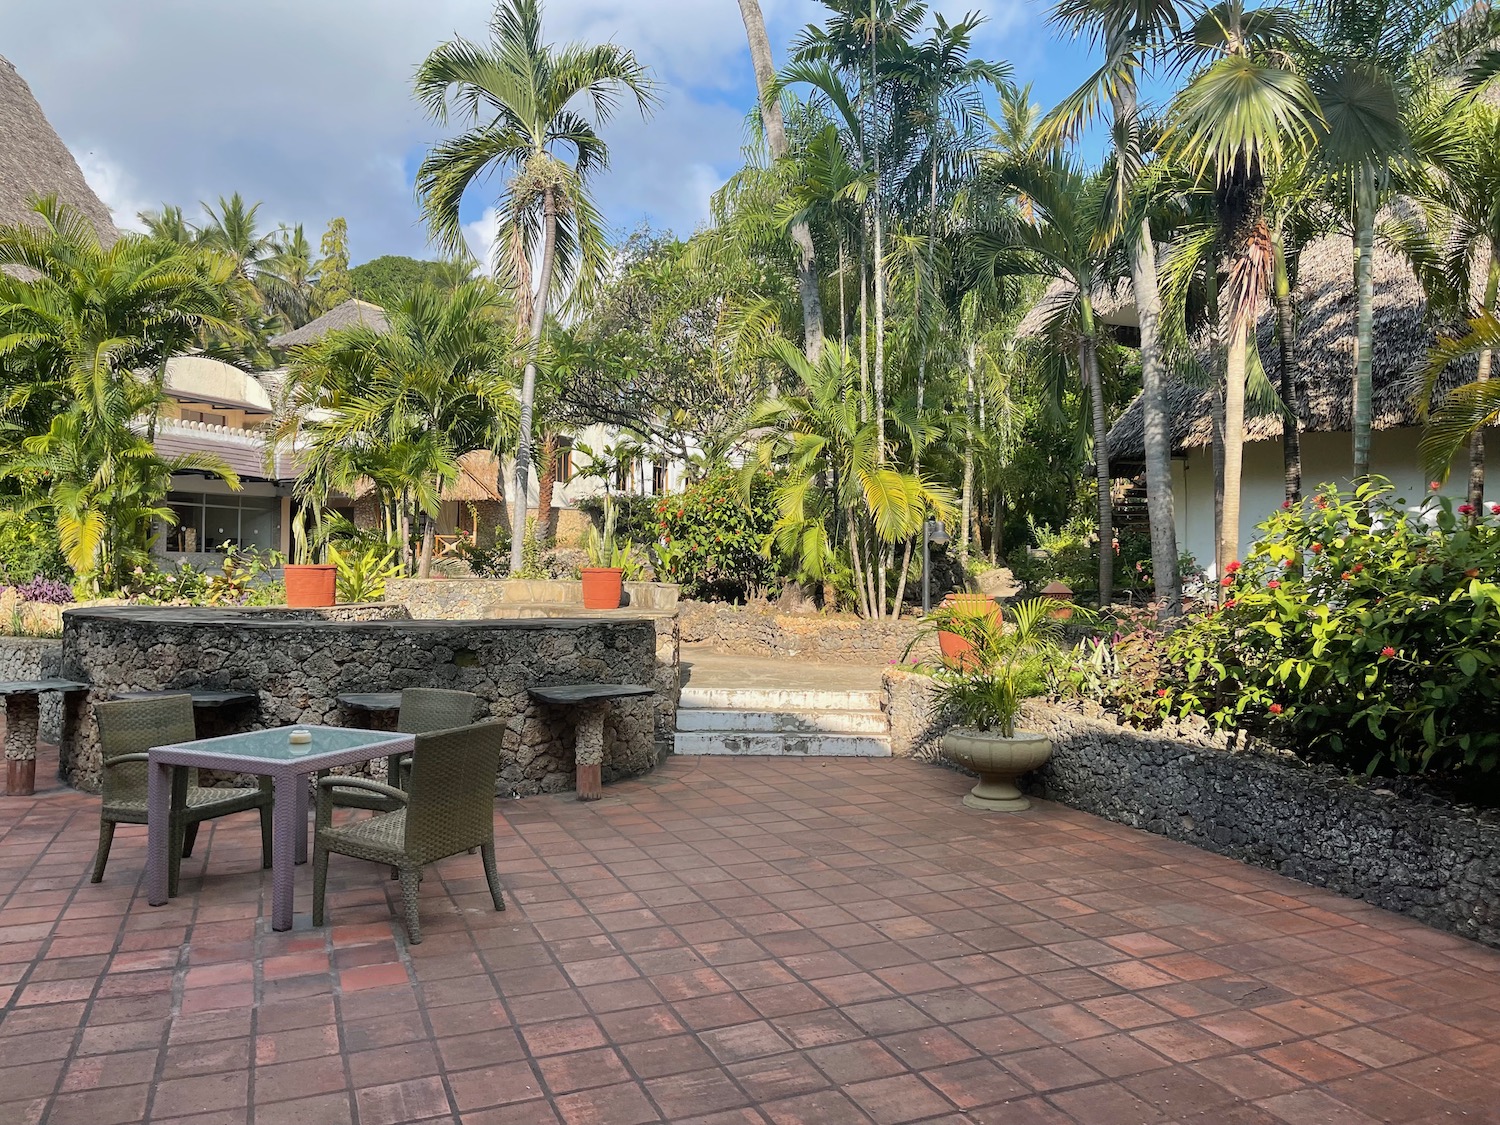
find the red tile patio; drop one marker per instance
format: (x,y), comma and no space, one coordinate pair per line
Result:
(816,941)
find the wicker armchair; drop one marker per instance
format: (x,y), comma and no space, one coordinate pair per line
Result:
(422,710)
(450,809)
(127,729)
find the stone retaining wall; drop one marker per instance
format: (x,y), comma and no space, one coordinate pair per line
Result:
(298,661)
(1430,860)
(34,658)
(753,631)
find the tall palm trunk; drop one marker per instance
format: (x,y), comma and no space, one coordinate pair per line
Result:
(1291,389)
(864,326)
(966,503)
(1160,507)
(1235,368)
(1088,362)
(1364,279)
(429,539)
(1482,375)
(528,379)
(546,482)
(770,114)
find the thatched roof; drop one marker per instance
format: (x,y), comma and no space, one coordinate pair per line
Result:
(1327,310)
(478,479)
(34,161)
(351,312)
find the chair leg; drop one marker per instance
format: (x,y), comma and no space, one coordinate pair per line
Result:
(189,838)
(411,893)
(265,837)
(320,881)
(487,853)
(101,857)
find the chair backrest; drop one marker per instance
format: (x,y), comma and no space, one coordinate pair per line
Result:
(426,709)
(133,726)
(452,805)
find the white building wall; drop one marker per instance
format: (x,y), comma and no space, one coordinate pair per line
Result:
(1325,458)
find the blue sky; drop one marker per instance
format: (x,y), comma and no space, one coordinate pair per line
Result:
(305,104)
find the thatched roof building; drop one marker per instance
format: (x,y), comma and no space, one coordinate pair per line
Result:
(1113,306)
(1327,309)
(347,315)
(34,161)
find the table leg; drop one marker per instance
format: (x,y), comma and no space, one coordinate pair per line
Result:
(588,750)
(22,724)
(290,839)
(158,830)
(302,788)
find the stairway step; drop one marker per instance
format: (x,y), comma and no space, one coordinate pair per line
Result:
(806,722)
(776,699)
(782,744)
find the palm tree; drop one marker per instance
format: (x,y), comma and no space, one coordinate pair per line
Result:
(232,230)
(1241,118)
(286,278)
(517,96)
(400,407)
(1370,64)
(81,344)
(775,127)
(1130,33)
(836,500)
(168,225)
(1069,207)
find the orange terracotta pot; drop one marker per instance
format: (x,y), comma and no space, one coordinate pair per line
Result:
(311,586)
(602,586)
(959,652)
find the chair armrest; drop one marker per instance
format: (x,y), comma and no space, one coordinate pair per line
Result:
(362,783)
(122,759)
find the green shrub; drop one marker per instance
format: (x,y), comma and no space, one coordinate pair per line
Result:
(635,516)
(714,533)
(1360,632)
(29,548)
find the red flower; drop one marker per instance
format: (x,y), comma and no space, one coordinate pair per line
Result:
(1346,576)
(1226,581)
(1317,548)
(1435,485)
(1286,563)
(1358,567)
(1466,509)
(1161,693)
(1276,708)
(1229,603)
(1286,503)
(1232,567)
(1495,509)
(1273,585)
(1388,651)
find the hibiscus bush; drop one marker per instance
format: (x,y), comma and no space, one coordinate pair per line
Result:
(712,535)
(1358,630)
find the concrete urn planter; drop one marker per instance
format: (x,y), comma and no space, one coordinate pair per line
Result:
(998,761)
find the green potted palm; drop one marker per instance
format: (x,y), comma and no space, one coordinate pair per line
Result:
(1010,665)
(611,564)
(310,584)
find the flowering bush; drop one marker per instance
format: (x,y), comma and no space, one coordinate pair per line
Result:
(713,536)
(1361,631)
(48,591)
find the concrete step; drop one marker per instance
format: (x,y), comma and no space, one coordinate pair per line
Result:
(806,722)
(782,744)
(776,699)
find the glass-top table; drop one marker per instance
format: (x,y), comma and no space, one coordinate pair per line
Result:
(266,753)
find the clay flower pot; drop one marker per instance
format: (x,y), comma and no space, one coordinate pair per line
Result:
(958,651)
(602,586)
(310,586)
(998,761)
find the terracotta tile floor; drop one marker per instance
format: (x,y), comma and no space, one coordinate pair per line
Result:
(726,941)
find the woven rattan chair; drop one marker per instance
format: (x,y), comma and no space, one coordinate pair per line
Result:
(450,808)
(127,729)
(422,710)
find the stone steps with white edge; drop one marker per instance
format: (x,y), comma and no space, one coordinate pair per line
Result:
(781,722)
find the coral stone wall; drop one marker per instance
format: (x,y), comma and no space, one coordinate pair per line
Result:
(298,661)
(752,631)
(1433,861)
(34,658)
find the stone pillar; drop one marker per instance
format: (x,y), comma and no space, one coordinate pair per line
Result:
(22,721)
(588,749)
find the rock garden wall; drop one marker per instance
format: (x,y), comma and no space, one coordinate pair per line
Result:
(34,658)
(297,662)
(756,631)
(1433,861)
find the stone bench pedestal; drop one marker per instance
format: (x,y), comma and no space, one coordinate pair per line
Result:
(23,724)
(590,703)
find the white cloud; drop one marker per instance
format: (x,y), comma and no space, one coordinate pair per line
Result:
(306,104)
(481,235)
(116,187)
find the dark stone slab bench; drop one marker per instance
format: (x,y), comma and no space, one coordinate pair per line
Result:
(591,702)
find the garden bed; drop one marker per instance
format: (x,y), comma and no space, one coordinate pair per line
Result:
(1416,855)
(740,630)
